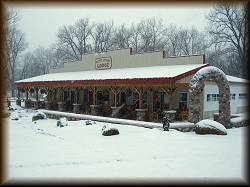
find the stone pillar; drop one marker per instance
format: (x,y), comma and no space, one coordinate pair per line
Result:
(115,111)
(46,105)
(94,110)
(170,114)
(76,108)
(18,102)
(61,106)
(26,103)
(36,105)
(141,114)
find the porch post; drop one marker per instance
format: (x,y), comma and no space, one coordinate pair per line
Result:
(94,107)
(172,94)
(26,102)
(27,94)
(47,102)
(36,103)
(115,92)
(140,112)
(76,105)
(61,103)
(94,95)
(18,101)
(140,92)
(115,109)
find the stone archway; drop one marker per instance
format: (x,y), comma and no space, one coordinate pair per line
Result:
(196,87)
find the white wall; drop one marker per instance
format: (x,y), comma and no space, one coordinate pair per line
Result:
(212,88)
(123,59)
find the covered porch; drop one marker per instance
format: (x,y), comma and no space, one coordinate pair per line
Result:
(128,102)
(139,96)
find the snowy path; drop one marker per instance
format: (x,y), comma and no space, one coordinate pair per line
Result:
(77,151)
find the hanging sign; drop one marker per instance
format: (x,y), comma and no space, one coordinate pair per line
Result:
(103,63)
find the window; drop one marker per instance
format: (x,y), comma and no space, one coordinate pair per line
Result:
(182,100)
(209,97)
(212,97)
(243,96)
(232,96)
(215,97)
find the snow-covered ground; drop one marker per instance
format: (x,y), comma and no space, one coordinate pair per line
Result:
(41,150)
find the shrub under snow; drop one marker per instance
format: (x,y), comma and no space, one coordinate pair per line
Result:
(208,126)
(107,131)
(62,122)
(90,122)
(240,121)
(39,115)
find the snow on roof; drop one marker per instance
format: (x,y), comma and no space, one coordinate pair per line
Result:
(236,79)
(124,73)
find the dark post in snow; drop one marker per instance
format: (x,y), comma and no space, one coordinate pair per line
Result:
(166,124)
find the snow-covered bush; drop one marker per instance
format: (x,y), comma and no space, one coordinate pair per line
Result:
(90,122)
(39,115)
(107,131)
(240,121)
(208,126)
(62,122)
(14,117)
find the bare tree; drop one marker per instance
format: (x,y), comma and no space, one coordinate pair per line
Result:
(12,16)
(58,56)
(227,25)
(151,34)
(102,36)
(122,36)
(135,37)
(44,58)
(73,39)
(24,67)
(14,45)
(192,41)
(172,40)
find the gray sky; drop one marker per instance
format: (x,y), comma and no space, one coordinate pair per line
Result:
(41,23)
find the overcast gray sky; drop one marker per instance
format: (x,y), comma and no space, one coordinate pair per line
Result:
(41,23)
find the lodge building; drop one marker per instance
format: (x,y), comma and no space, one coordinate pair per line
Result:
(122,83)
